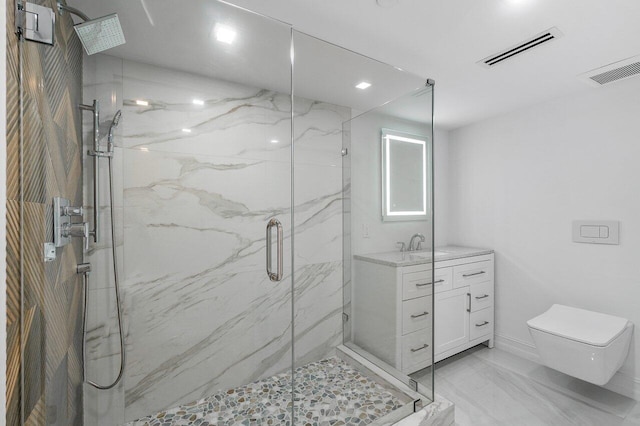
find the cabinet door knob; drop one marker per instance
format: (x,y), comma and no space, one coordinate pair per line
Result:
(482,297)
(482,324)
(474,274)
(422,284)
(420,315)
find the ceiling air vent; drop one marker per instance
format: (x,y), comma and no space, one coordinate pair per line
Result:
(535,41)
(616,71)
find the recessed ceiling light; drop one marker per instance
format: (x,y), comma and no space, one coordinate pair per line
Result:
(275,141)
(142,103)
(198,102)
(224,33)
(363,85)
(144,149)
(186,130)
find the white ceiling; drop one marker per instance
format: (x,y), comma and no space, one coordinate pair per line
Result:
(439,39)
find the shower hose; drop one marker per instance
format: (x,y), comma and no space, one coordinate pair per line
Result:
(117,289)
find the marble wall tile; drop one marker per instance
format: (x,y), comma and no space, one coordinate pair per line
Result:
(318,311)
(104,198)
(200,313)
(206,211)
(103,81)
(103,339)
(190,338)
(317,128)
(106,407)
(318,214)
(235,120)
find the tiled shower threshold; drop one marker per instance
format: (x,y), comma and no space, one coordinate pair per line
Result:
(339,390)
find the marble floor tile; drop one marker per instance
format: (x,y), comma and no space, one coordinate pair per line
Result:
(588,393)
(490,387)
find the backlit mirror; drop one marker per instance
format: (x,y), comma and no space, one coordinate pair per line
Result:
(405,176)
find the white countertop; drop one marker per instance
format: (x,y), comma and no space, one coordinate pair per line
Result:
(408,258)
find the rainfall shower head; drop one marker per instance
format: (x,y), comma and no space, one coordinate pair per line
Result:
(98,34)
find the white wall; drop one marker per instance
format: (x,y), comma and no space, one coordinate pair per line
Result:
(441,186)
(517,182)
(3,211)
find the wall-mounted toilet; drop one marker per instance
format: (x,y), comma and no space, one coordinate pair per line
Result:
(588,345)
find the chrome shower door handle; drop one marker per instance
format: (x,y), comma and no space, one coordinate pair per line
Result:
(277,276)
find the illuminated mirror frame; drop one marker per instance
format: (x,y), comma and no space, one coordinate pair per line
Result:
(388,136)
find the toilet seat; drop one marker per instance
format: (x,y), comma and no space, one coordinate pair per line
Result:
(591,328)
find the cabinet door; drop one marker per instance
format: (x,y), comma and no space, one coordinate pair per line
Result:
(451,319)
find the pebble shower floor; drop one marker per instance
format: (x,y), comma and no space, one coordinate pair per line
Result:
(330,393)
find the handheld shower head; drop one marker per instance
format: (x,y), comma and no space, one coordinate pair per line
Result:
(113,125)
(98,34)
(116,118)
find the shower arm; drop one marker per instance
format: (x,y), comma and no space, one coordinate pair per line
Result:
(73,10)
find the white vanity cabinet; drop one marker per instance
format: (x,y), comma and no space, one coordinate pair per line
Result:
(464,310)
(392,312)
(394,302)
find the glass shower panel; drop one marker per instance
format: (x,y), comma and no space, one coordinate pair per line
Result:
(205,165)
(327,104)
(388,236)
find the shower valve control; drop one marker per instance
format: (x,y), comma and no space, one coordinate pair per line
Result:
(72,211)
(63,228)
(77,230)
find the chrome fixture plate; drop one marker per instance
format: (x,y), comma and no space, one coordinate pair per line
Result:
(36,23)
(60,221)
(49,252)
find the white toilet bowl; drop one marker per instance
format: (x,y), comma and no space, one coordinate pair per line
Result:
(588,345)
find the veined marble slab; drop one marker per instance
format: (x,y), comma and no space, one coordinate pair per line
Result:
(200,313)
(397,258)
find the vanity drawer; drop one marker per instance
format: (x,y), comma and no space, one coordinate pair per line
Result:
(443,279)
(481,296)
(416,314)
(416,351)
(416,284)
(472,273)
(481,323)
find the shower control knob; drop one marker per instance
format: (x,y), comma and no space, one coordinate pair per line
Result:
(77,230)
(72,211)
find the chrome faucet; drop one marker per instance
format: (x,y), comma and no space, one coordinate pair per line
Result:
(418,246)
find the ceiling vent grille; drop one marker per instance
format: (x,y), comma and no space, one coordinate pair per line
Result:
(617,71)
(535,41)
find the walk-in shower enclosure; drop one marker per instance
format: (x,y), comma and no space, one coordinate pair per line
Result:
(249,170)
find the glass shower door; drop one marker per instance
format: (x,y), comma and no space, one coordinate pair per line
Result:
(203,159)
(389,246)
(207,212)
(343,101)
